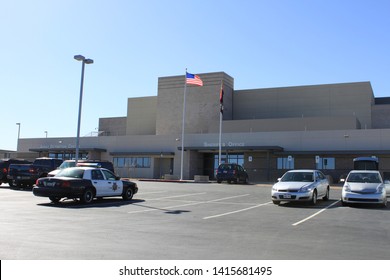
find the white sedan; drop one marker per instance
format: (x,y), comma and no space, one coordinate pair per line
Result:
(301,185)
(364,186)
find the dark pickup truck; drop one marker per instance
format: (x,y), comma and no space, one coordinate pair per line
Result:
(25,175)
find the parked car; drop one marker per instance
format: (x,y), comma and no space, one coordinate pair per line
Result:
(365,186)
(301,185)
(83,162)
(25,175)
(84,183)
(231,172)
(4,165)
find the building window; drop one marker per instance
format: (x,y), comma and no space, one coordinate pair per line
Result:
(133,162)
(67,155)
(233,158)
(285,163)
(325,163)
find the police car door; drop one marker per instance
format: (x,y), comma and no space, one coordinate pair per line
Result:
(114,186)
(99,182)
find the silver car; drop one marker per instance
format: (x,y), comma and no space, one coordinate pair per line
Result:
(364,186)
(301,185)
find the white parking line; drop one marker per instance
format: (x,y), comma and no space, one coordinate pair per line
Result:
(153,192)
(237,211)
(183,195)
(315,214)
(187,204)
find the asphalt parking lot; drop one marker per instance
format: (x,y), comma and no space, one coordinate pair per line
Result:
(190,221)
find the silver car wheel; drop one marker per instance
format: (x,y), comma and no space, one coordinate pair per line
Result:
(314,198)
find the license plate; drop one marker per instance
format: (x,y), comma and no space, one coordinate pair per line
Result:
(287,196)
(49,184)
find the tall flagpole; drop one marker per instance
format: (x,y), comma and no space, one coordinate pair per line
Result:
(220,127)
(182,127)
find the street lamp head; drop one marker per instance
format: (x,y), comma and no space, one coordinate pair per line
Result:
(88,61)
(79,57)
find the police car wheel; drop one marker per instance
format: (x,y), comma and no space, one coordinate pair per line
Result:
(87,196)
(128,194)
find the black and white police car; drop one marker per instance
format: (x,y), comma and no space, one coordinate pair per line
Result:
(84,183)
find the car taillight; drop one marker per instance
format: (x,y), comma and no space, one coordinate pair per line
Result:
(4,170)
(31,170)
(37,182)
(234,172)
(65,184)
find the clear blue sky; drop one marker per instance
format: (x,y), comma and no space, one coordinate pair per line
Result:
(259,43)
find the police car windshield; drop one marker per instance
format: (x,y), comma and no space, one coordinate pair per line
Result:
(71,173)
(67,164)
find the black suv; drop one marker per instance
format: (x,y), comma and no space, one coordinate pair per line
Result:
(4,165)
(231,172)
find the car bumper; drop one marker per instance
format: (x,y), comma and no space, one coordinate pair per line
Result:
(375,198)
(57,192)
(291,196)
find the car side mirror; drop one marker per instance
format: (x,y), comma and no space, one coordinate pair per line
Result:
(387,182)
(279,179)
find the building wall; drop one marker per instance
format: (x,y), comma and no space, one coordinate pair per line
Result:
(202,103)
(112,126)
(141,116)
(333,100)
(287,124)
(381,116)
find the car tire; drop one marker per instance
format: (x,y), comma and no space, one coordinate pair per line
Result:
(343,203)
(54,199)
(219,181)
(326,197)
(87,196)
(314,198)
(128,194)
(276,202)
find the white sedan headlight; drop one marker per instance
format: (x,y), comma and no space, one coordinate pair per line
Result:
(306,188)
(379,189)
(347,188)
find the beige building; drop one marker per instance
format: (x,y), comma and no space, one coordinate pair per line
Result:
(268,131)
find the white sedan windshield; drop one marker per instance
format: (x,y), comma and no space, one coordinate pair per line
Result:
(364,177)
(298,177)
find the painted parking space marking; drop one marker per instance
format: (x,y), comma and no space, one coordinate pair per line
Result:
(315,214)
(176,196)
(182,205)
(153,192)
(237,211)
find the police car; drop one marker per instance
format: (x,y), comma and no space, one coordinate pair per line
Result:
(84,183)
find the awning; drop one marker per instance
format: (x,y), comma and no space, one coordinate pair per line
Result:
(66,149)
(138,153)
(234,148)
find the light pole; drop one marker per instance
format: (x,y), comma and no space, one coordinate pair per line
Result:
(17,144)
(84,61)
(46,133)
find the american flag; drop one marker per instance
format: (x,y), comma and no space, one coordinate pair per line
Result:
(193,79)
